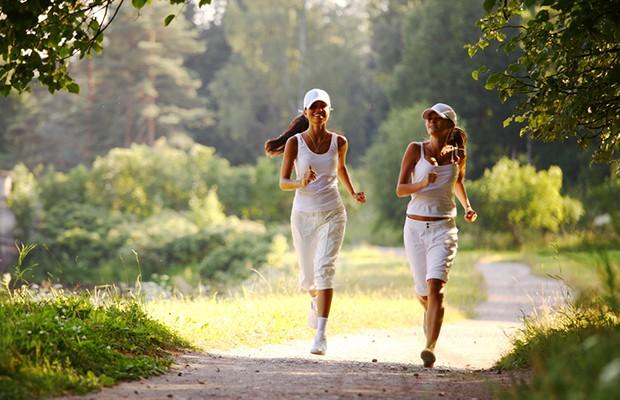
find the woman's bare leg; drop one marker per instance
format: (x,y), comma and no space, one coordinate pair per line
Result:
(324,303)
(435,311)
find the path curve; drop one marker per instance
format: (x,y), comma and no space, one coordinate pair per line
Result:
(375,364)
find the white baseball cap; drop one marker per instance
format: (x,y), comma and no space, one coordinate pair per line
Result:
(443,110)
(314,95)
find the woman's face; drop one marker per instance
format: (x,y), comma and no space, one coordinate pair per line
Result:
(435,125)
(318,112)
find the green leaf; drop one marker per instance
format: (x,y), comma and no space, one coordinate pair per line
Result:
(507,122)
(488,5)
(493,80)
(73,88)
(203,2)
(169,19)
(476,73)
(138,3)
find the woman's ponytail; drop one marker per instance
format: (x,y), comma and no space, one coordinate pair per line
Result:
(275,146)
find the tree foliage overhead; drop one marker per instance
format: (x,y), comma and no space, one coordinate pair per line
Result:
(38,38)
(568,68)
(434,67)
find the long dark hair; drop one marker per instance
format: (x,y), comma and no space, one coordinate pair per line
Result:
(275,146)
(459,137)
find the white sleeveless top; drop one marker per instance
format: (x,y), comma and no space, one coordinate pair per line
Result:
(437,199)
(322,193)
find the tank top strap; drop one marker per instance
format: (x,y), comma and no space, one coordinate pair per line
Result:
(334,142)
(300,141)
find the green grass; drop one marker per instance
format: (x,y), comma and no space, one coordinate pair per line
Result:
(59,344)
(374,290)
(75,344)
(575,354)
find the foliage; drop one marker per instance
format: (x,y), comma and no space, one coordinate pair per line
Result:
(74,239)
(40,37)
(23,200)
(246,250)
(517,198)
(434,67)
(128,216)
(603,199)
(282,48)
(567,68)
(385,155)
(61,343)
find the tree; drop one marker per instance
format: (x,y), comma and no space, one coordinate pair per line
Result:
(384,158)
(279,50)
(435,67)
(38,38)
(568,68)
(138,89)
(518,199)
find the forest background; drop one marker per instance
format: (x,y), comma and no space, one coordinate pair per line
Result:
(157,167)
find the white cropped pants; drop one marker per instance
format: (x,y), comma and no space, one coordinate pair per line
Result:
(317,237)
(431,247)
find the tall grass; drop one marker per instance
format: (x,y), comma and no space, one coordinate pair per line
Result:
(574,354)
(374,290)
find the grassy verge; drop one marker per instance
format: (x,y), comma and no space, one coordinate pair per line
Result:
(59,344)
(374,290)
(574,353)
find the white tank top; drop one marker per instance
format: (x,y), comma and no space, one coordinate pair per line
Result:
(322,193)
(437,199)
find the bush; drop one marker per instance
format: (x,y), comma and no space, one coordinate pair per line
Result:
(518,199)
(247,247)
(385,155)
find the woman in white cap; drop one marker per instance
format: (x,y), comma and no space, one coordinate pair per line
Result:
(431,173)
(318,217)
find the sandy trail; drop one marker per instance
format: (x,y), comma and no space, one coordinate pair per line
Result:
(372,364)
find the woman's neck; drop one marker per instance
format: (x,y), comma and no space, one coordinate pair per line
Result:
(317,130)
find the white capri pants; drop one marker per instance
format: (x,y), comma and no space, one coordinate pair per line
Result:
(317,237)
(431,247)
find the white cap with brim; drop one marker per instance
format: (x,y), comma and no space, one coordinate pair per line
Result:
(443,110)
(314,95)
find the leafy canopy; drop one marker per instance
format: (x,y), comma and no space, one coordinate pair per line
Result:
(37,38)
(567,73)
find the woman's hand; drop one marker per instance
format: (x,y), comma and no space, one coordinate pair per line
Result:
(470,215)
(309,176)
(360,197)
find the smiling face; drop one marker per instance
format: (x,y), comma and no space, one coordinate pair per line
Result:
(318,113)
(435,125)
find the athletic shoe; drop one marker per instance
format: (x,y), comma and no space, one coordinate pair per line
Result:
(428,357)
(319,346)
(312,314)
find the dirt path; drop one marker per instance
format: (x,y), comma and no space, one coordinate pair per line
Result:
(373,364)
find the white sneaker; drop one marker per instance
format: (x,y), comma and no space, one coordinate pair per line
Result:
(319,346)
(312,314)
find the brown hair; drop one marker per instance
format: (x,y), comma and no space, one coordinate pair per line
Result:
(459,137)
(275,146)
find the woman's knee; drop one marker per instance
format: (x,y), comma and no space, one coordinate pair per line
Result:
(436,288)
